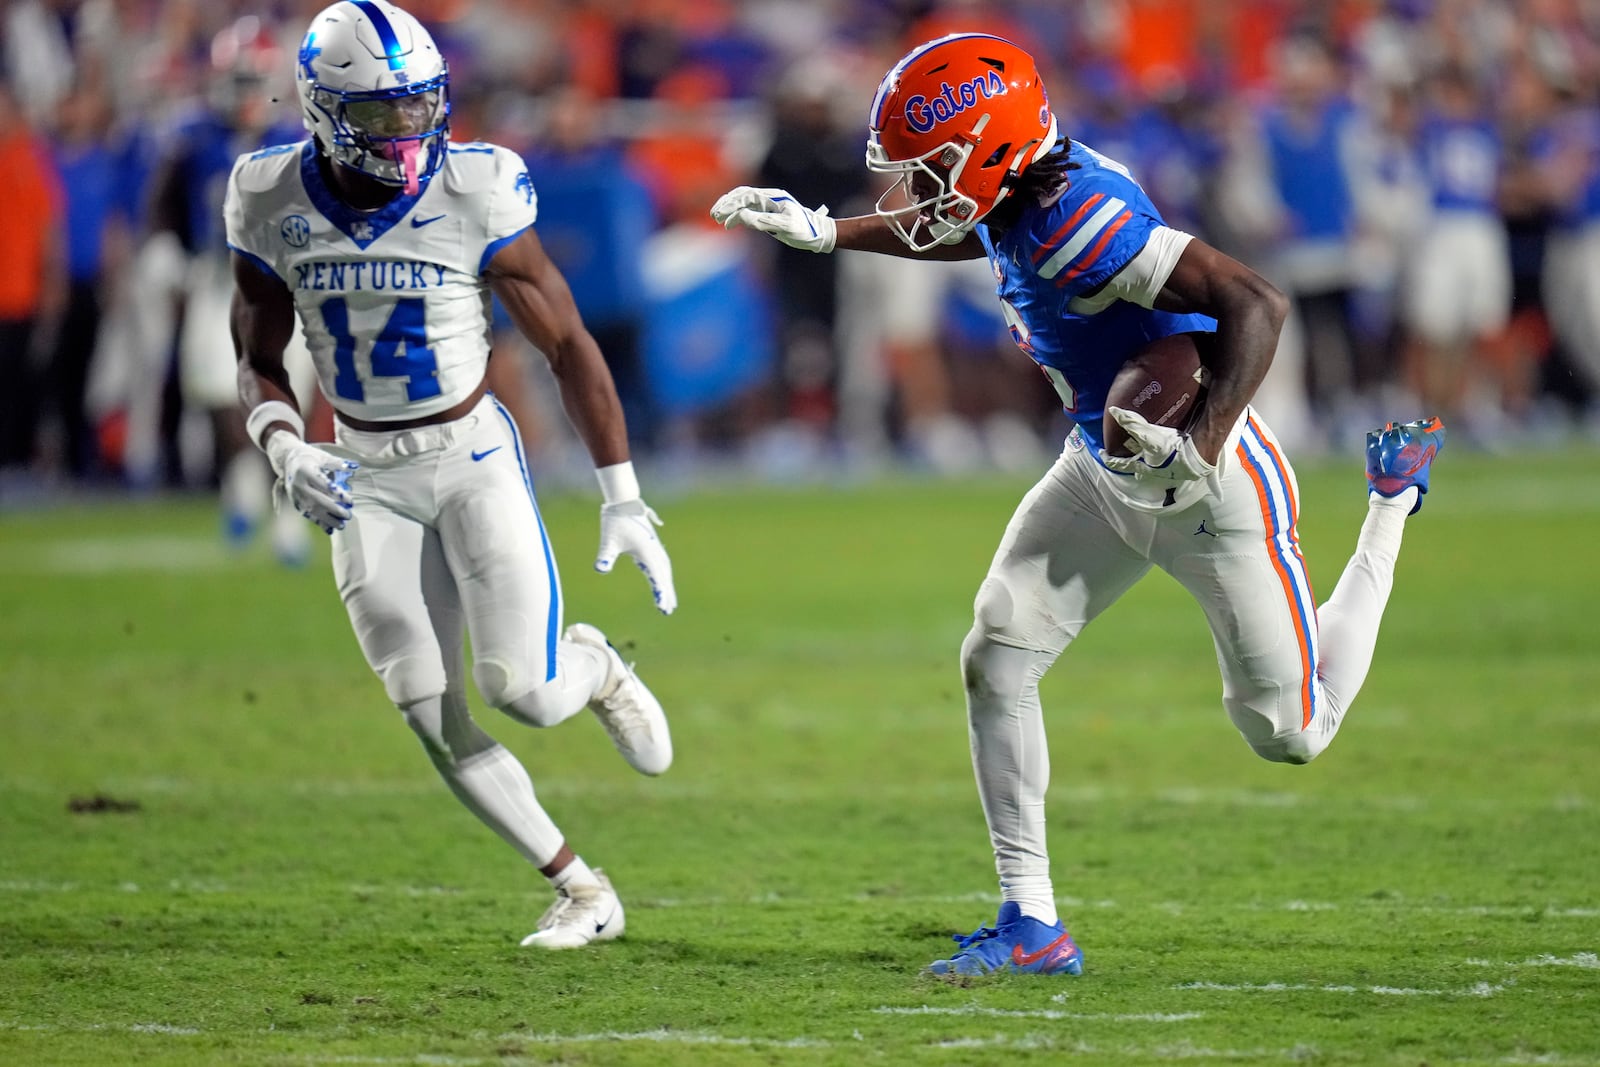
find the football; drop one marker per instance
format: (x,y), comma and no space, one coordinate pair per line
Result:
(1162,382)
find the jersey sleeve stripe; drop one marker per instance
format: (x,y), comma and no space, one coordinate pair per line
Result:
(256,261)
(1093,255)
(1077,217)
(494,247)
(1086,233)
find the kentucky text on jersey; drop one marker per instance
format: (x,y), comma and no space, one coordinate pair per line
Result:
(376,274)
(922,115)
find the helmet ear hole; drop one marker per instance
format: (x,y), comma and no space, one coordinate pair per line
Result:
(997,157)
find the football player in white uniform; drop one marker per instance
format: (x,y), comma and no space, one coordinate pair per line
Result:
(386,240)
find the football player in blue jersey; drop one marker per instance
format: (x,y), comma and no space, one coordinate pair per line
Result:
(385,240)
(186,255)
(1088,275)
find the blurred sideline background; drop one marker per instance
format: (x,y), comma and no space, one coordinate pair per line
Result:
(1423,176)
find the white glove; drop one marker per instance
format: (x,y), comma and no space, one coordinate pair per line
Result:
(774,211)
(629,526)
(1160,454)
(315,483)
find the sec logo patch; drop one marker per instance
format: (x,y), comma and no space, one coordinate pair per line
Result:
(296,231)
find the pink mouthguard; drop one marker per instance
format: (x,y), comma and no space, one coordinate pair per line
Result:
(405,153)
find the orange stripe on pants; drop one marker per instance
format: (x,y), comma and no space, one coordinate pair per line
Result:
(1302,639)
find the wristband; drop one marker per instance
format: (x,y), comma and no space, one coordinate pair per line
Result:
(618,483)
(265,414)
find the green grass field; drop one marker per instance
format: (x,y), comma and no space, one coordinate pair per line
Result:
(297,887)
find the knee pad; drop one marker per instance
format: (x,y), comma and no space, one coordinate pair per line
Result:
(412,679)
(995,673)
(994,606)
(1297,748)
(499,682)
(541,706)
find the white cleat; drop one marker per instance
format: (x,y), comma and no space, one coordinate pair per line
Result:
(581,914)
(626,708)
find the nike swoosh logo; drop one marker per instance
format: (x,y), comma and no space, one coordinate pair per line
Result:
(417,224)
(477,456)
(1415,467)
(1024,959)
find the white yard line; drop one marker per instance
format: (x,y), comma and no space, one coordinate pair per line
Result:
(1587,961)
(1167,1051)
(86,1028)
(794,792)
(115,555)
(989,899)
(1044,1013)
(1480,989)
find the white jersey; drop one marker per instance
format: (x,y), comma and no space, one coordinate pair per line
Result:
(393,303)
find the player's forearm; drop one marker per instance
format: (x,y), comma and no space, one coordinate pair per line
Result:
(1247,337)
(257,388)
(590,398)
(869,233)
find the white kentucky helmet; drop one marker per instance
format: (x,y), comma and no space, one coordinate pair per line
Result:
(374,92)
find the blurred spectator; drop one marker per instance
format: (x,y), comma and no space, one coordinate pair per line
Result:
(1458,281)
(594,215)
(247,73)
(1527,107)
(1569,155)
(88,166)
(1309,133)
(816,154)
(1280,130)
(31,282)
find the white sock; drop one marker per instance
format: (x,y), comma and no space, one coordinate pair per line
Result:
(1405,498)
(484,775)
(497,789)
(575,873)
(1348,622)
(1035,896)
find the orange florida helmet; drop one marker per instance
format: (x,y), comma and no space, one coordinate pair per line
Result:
(957,120)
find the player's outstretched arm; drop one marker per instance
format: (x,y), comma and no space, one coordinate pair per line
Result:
(536,296)
(1249,311)
(775,212)
(314,482)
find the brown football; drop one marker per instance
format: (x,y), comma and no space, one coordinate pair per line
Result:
(1162,381)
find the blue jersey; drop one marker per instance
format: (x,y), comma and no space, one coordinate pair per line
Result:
(207,148)
(1461,159)
(1053,262)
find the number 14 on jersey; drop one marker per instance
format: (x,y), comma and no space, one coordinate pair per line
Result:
(400,350)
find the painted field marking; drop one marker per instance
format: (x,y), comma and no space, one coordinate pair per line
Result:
(118,1028)
(190,887)
(1176,1051)
(114,555)
(1480,989)
(1044,1013)
(1588,961)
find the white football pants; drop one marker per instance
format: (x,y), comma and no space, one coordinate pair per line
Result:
(1075,545)
(444,539)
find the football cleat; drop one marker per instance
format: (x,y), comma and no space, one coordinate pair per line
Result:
(626,708)
(1014,943)
(1399,456)
(580,914)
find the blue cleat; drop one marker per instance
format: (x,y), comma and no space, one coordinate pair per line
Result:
(1400,455)
(1014,943)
